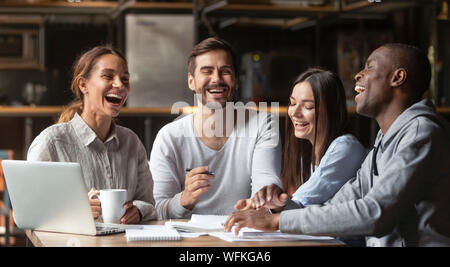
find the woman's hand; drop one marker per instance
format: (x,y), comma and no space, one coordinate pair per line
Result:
(132,214)
(258,219)
(96,208)
(271,197)
(243,204)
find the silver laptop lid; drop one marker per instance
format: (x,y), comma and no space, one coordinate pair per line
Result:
(49,196)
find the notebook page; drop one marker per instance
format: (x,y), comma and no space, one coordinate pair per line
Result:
(209,219)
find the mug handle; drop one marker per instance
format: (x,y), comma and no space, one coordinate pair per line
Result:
(92,196)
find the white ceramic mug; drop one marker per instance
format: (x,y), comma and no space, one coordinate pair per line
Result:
(112,201)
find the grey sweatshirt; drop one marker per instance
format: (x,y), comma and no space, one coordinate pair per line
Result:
(406,204)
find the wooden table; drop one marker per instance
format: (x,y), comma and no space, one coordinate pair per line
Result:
(48,239)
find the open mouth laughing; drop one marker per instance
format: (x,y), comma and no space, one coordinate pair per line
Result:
(300,125)
(114,98)
(359,88)
(219,91)
(216,91)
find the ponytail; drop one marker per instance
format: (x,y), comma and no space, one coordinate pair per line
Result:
(69,111)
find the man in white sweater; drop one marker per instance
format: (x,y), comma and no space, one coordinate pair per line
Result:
(204,162)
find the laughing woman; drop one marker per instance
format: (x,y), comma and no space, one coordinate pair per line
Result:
(319,156)
(110,156)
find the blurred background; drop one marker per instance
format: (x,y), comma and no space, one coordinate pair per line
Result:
(275,41)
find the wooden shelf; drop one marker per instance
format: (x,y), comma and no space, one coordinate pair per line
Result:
(378,7)
(278,8)
(87,7)
(27,111)
(21,66)
(57,4)
(162,5)
(223,6)
(98,4)
(227,7)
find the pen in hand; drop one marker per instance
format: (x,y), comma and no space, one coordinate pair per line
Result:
(206,172)
(197,182)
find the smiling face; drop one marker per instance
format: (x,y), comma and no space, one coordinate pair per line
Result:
(214,78)
(373,83)
(302,111)
(107,87)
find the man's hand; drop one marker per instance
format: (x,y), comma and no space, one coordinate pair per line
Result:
(258,219)
(195,185)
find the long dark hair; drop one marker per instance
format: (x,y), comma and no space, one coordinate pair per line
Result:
(82,69)
(331,122)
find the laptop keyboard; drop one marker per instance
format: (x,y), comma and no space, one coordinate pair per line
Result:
(108,230)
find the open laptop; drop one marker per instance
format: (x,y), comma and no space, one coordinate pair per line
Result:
(51,196)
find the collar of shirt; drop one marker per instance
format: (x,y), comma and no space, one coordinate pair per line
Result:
(86,134)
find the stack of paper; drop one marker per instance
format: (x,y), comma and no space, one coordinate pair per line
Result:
(250,234)
(213,225)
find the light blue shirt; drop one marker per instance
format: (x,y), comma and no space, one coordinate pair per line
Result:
(342,159)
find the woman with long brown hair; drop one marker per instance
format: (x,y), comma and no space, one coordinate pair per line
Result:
(319,156)
(110,156)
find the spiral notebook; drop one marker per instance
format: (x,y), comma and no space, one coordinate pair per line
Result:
(153,233)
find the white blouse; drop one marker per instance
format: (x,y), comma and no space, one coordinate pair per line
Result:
(118,163)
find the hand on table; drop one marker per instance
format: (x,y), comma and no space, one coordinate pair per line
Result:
(132,214)
(259,219)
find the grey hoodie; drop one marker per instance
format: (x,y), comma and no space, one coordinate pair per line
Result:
(406,204)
